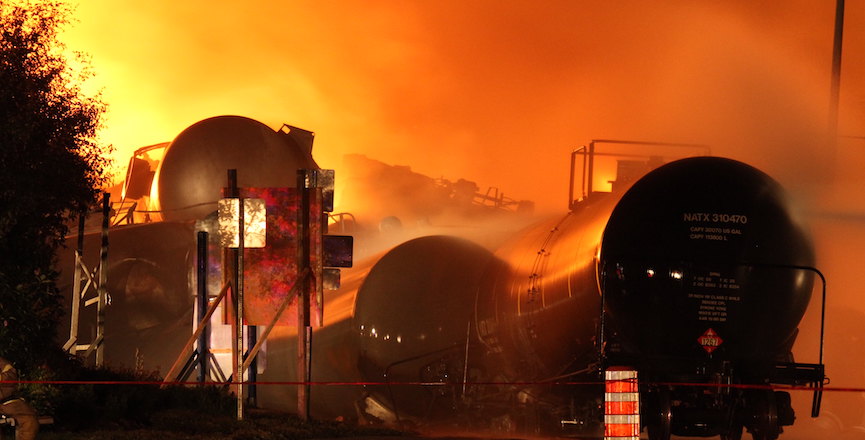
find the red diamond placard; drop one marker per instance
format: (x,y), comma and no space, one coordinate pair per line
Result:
(710,340)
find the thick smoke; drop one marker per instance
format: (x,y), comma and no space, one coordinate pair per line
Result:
(500,92)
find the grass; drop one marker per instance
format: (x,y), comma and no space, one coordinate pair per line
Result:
(176,424)
(142,410)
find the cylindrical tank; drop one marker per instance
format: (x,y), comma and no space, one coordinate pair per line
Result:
(539,302)
(701,257)
(700,251)
(149,312)
(149,316)
(413,315)
(190,179)
(698,268)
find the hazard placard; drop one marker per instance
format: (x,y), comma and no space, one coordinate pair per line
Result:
(710,340)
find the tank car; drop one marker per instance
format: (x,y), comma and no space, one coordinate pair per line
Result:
(151,254)
(696,274)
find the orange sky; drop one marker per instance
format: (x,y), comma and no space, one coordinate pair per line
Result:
(496,92)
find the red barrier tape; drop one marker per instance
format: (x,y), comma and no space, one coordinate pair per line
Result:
(334,383)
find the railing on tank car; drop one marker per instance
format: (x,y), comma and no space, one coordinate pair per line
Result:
(787,373)
(649,162)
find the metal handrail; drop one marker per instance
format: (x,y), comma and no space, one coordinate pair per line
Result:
(589,154)
(779,266)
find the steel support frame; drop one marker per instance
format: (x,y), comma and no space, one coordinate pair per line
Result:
(97,279)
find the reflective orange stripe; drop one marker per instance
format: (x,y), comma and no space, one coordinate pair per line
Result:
(621,386)
(621,430)
(621,407)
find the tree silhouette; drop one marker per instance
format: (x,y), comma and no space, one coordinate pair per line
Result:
(51,167)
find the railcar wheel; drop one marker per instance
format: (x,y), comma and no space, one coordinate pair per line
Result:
(734,426)
(659,426)
(766,426)
(734,432)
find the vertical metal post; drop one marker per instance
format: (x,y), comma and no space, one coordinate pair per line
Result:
(203,346)
(103,280)
(602,331)
(237,296)
(304,330)
(591,172)
(241,223)
(571,186)
(835,89)
(252,371)
(72,344)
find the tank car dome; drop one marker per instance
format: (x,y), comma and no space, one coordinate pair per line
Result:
(417,300)
(194,171)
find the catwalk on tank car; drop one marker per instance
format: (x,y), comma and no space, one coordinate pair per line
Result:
(696,276)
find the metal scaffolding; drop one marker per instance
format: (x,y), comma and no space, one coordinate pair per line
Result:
(89,288)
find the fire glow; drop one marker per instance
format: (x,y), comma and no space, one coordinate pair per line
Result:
(384,80)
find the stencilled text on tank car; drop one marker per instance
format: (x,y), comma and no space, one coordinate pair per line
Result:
(714,217)
(721,227)
(714,292)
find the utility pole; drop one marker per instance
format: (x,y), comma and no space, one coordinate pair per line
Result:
(201,305)
(236,258)
(835,88)
(304,329)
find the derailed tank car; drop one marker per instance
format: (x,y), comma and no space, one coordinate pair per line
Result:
(152,238)
(712,291)
(697,274)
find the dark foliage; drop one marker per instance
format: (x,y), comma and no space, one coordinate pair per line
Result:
(50,169)
(184,424)
(128,400)
(138,408)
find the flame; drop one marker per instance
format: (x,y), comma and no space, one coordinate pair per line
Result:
(500,97)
